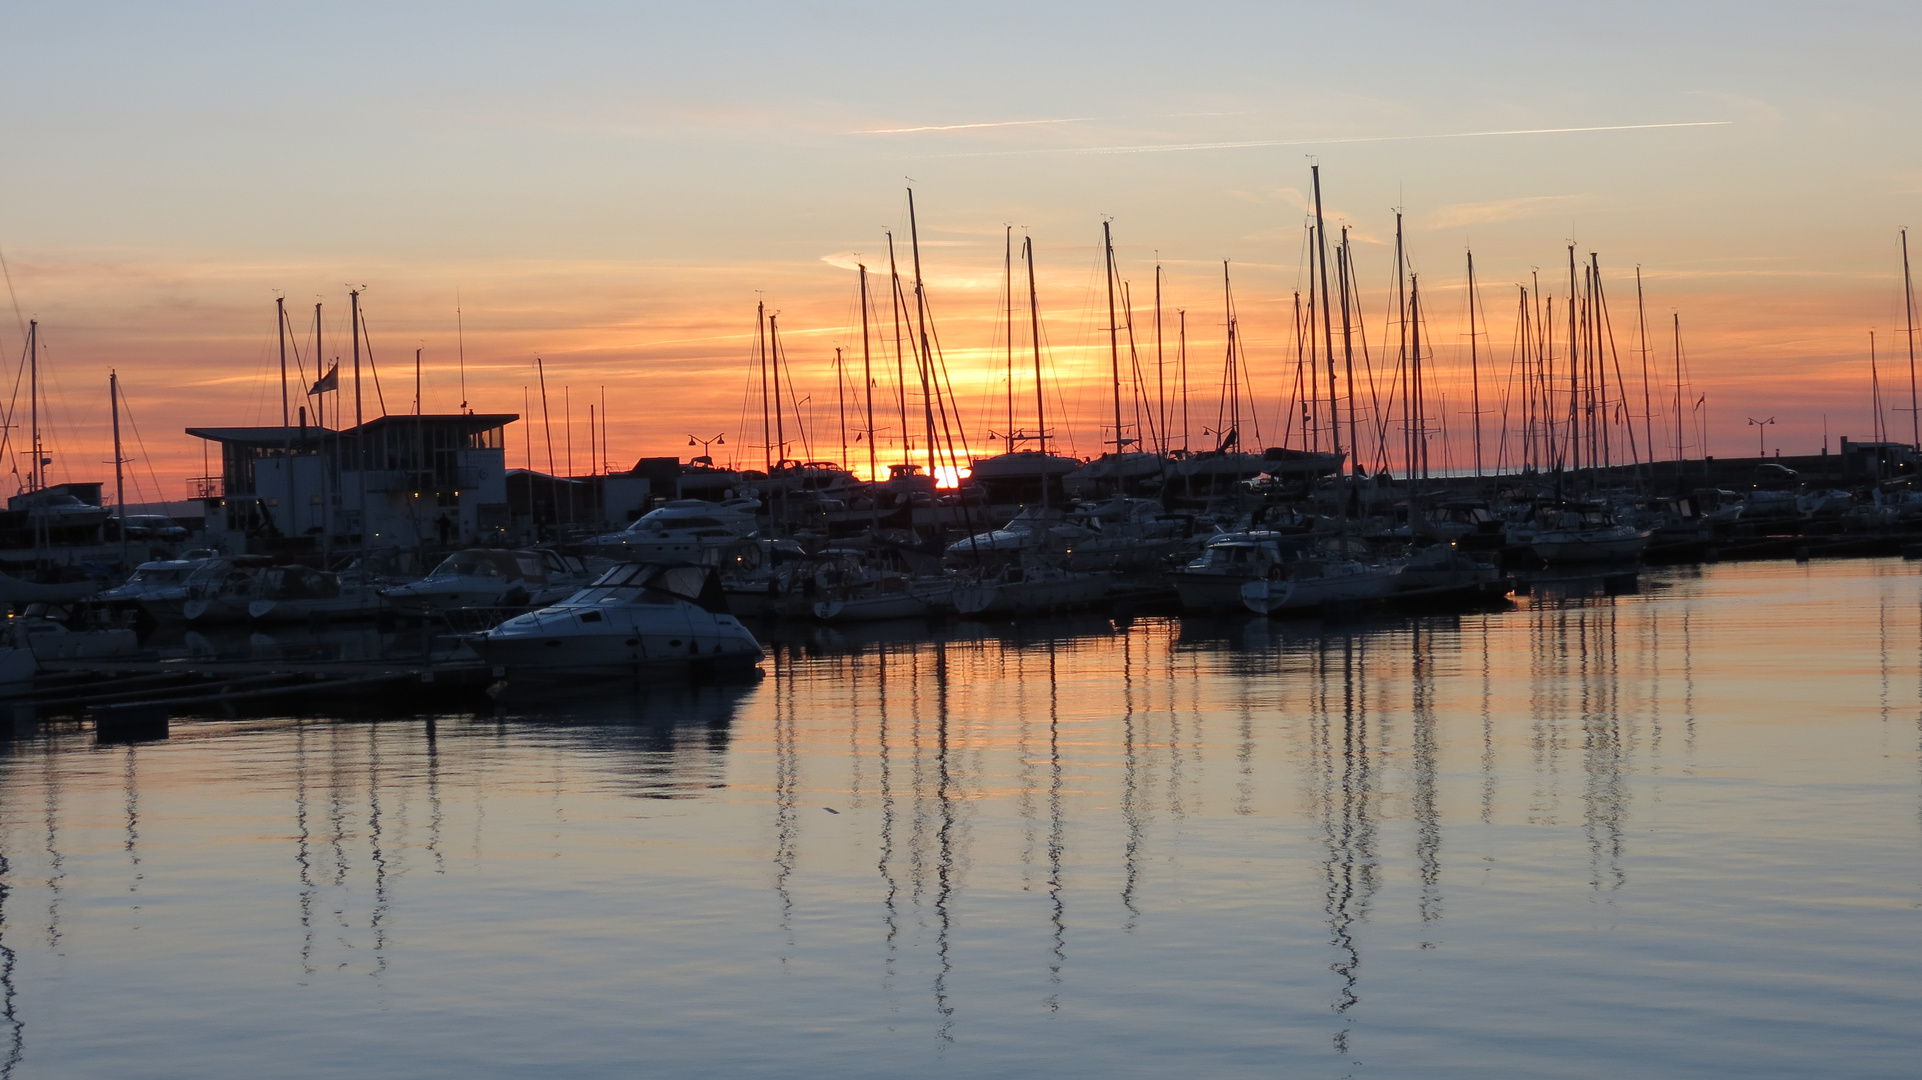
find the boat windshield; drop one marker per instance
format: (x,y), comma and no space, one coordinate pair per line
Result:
(471,563)
(166,575)
(644,583)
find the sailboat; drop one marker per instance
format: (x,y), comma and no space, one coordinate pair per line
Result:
(57,513)
(1030,581)
(1204,473)
(1121,470)
(1020,475)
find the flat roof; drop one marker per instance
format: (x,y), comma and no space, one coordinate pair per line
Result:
(262,436)
(282,436)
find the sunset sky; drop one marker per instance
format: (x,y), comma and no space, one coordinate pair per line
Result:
(614,187)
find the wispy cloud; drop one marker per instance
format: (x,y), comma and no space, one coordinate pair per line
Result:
(969,127)
(1168,148)
(1482,213)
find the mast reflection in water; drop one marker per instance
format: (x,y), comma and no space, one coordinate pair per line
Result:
(1445,845)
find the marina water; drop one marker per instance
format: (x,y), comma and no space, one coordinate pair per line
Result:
(1670,828)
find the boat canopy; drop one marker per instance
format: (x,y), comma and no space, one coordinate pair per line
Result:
(654,583)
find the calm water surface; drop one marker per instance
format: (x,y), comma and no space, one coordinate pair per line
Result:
(1676,832)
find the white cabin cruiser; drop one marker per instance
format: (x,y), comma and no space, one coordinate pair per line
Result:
(1018,589)
(856,586)
(295,593)
(490,578)
(27,640)
(1316,584)
(685,530)
(217,591)
(1213,580)
(1587,535)
(1124,534)
(1034,530)
(637,620)
(160,580)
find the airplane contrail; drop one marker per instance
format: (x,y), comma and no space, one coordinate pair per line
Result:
(1163,148)
(961,127)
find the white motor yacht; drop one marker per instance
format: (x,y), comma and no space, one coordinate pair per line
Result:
(637,620)
(295,593)
(685,530)
(1445,569)
(1213,580)
(491,578)
(1123,534)
(160,580)
(1034,530)
(1316,584)
(869,586)
(217,591)
(1587,535)
(1017,589)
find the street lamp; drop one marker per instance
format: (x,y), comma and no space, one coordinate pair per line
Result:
(718,440)
(1760,426)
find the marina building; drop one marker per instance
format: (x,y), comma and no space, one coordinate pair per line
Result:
(393,482)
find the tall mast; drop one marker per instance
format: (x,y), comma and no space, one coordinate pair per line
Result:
(924,356)
(774,364)
(1595,304)
(1181,366)
(1527,376)
(287,453)
(1114,339)
(1574,374)
(329,467)
(841,400)
(1007,300)
(1401,359)
(867,372)
(1414,369)
(1648,400)
(1312,406)
(900,368)
(1908,308)
(360,444)
(1474,367)
(1678,398)
(1233,372)
(547,420)
(760,352)
(119,480)
(1879,425)
(35,473)
(1161,380)
(280,327)
(1034,331)
(1327,322)
(1342,259)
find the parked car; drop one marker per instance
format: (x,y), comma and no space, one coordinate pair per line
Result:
(153,527)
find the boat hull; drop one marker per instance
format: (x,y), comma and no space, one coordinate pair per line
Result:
(1209,592)
(1580,547)
(655,642)
(873,608)
(1030,597)
(1305,595)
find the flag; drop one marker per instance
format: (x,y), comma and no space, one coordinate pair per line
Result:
(329,381)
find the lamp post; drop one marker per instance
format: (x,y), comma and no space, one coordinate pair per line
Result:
(705,458)
(1760,426)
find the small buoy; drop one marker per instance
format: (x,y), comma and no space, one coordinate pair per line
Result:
(1802,553)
